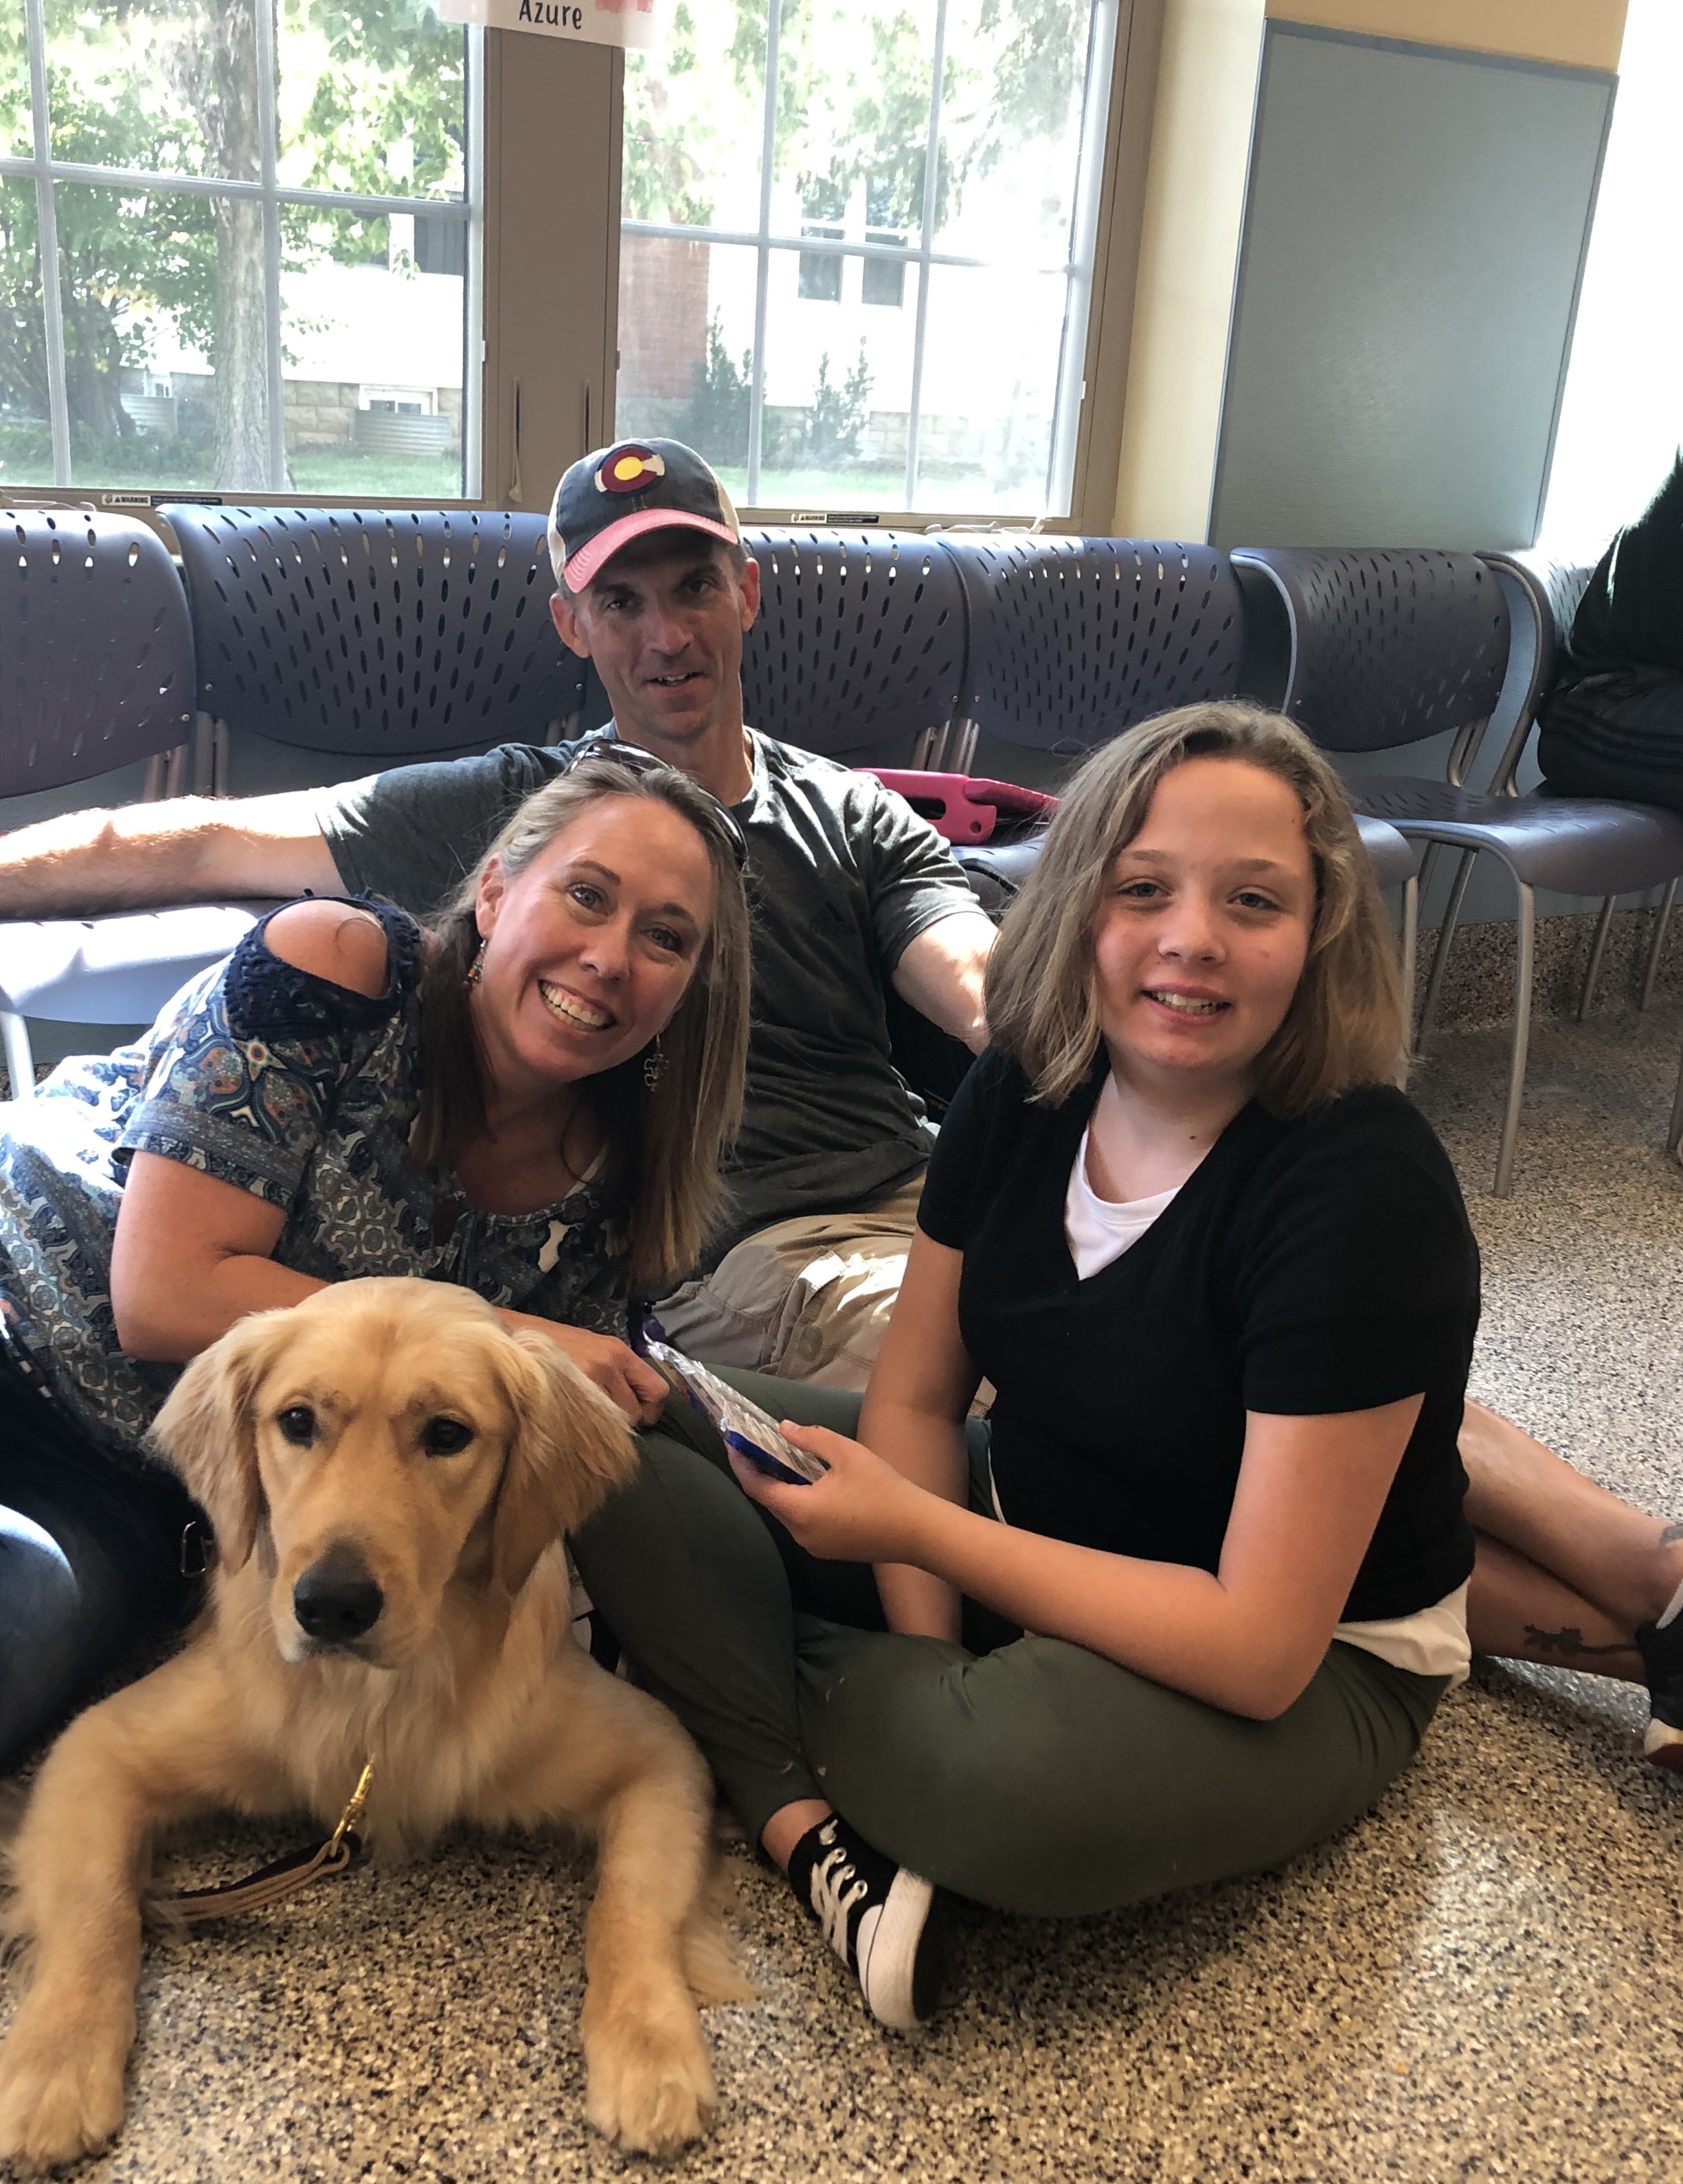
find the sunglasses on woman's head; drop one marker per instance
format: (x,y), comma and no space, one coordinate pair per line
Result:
(631,758)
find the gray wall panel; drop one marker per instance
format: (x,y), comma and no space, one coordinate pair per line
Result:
(1414,232)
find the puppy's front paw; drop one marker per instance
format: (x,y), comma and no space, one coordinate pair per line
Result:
(61,2083)
(650,2085)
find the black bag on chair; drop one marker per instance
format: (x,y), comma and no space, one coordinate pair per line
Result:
(1613,725)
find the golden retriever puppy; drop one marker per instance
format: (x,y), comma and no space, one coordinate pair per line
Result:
(389,1472)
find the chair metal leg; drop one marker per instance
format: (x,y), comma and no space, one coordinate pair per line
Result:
(20,1057)
(1673,1135)
(1523,970)
(1428,865)
(1411,957)
(1457,891)
(208,747)
(1597,950)
(1464,751)
(166,772)
(1657,946)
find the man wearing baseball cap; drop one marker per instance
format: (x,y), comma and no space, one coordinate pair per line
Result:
(851,891)
(626,492)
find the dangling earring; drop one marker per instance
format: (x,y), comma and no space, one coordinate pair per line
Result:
(653,1064)
(476,969)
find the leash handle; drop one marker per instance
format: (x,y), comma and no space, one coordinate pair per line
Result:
(275,1882)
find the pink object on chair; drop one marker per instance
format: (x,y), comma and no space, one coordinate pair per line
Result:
(964,807)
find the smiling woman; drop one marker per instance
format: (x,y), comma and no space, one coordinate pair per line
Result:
(583,957)
(530,1101)
(604,936)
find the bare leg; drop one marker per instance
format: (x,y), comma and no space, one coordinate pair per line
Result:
(1519,1611)
(1566,1570)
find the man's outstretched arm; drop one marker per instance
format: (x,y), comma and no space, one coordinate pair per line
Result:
(941,973)
(189,849)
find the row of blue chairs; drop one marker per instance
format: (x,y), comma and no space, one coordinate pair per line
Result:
(1054,645)
(377,638)
(386,636)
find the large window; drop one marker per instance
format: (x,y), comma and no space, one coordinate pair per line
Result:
(265,227)
(857,247)
(1622,417)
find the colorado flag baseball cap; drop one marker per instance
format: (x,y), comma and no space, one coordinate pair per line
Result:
(614,496)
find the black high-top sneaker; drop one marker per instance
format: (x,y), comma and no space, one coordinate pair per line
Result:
(886,1924)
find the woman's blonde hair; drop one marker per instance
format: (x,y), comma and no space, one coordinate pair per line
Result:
(665,1141)
(1344,1027)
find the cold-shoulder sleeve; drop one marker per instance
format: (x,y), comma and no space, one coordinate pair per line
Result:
(259,1057)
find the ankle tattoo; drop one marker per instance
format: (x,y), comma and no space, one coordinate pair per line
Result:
(1568,1643)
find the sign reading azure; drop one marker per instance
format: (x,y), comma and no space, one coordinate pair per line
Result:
(594,22)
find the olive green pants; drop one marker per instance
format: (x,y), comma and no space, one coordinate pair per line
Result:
(1027,1772)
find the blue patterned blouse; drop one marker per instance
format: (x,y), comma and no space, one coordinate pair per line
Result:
(302,1092)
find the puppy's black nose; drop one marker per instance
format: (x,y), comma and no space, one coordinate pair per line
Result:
(335,1600)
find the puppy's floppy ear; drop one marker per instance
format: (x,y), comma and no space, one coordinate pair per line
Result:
(570,1448)
(207,1430)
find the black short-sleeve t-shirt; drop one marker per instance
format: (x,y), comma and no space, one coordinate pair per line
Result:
(1304,1268)
(843,876)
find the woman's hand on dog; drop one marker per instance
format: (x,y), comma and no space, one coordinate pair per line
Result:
(862,1510)
(631,1383)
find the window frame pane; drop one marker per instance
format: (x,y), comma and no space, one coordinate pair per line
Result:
(1110,58)
(558,333)
(49,174)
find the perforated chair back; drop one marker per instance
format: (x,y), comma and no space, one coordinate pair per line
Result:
(1561,584)
(1382,648)
(1542,597)
(384,636)
(860,639)
(95,649)
(1074,639)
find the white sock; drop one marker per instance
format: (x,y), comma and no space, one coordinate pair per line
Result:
(1672,1611)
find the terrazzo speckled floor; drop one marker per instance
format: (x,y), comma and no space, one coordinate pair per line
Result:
(1483,1979)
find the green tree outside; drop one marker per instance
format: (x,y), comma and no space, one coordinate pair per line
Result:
(853,86)
(170,86)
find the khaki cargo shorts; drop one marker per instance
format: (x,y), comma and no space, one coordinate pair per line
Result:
(807,1299)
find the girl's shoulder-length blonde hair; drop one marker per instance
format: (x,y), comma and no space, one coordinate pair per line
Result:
(665,1141)
(1344,1027)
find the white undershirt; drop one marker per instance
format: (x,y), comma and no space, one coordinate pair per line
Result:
(1100,1229)
(1433,1641)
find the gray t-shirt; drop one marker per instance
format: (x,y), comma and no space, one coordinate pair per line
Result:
(843,876)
